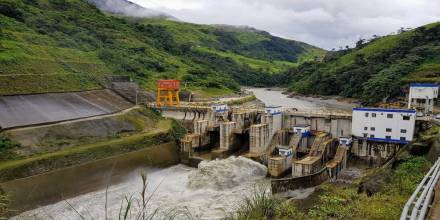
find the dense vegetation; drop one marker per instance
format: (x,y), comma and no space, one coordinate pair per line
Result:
(5,145)
(376,69)
(67,45)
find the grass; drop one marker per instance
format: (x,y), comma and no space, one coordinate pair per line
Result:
(4,205)
(377,47)
(268,66)
(428,71)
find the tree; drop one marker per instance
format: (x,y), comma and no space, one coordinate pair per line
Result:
(360,43)
(12,10)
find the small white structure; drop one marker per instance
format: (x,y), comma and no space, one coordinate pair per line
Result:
(345,141)
(273,118)
(422,96)
(285,152)
(273,110)
(385,125)
(220,108)
(304,130)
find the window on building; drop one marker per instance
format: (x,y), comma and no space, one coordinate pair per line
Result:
(403,131)
(389,130)
(371,135)
(389,115)
(387,137)
(403,138)
(373,115)
(373,128)
(366,114)
(328,121)
(406,118)
(365,135)
(365,128)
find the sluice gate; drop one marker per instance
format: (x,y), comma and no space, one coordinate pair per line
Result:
(293,144)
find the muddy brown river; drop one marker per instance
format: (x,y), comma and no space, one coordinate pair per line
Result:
(277,98)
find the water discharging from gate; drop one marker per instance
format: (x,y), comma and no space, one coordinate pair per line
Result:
(210,192)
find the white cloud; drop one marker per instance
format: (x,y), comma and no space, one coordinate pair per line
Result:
(325,23)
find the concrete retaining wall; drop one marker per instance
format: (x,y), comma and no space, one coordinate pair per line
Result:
(27,193)
(337,127)
(31,110)
(293,183)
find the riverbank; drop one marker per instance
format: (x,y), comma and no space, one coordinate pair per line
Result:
(278,97)
(79,179)
(47,154)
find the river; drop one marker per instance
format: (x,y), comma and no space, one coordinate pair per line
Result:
(212,191)
(277,98)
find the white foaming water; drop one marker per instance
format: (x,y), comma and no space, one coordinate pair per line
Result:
(209,192)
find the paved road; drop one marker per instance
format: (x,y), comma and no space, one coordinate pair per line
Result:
(25,110)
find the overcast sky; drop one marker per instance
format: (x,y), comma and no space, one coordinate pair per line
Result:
(324,23)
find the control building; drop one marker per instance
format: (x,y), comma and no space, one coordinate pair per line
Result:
(422,97)
(384,125)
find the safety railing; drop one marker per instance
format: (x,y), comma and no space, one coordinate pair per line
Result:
(419,203)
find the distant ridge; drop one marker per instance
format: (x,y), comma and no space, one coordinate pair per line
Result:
(128,8)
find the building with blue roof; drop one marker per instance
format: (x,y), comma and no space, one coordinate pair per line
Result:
(422,96)
(384,125)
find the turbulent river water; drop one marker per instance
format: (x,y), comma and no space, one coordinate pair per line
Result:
(212,191)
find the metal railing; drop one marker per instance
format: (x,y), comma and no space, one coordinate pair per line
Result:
(419,203)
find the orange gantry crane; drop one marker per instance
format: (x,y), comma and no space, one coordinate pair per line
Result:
(168,92)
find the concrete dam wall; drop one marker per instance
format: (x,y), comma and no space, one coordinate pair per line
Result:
(27,110)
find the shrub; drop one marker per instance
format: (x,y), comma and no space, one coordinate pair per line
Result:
(11,9)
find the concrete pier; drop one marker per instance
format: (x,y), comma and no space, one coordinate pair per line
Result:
(227,135)
(259,139)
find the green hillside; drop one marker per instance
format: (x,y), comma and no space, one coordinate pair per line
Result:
(376,70)
(69,45)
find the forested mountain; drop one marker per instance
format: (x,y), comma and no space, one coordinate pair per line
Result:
(128,8)
(375,70)
(68,45)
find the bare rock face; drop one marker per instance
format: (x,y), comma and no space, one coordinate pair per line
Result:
(128,8)
(375,183)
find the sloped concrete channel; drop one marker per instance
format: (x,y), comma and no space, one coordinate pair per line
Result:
(27,110)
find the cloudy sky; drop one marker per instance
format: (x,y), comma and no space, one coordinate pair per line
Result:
(325,23)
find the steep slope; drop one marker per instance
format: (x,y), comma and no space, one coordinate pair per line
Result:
(377,70)
(68,45)
(128,8)
(258,49)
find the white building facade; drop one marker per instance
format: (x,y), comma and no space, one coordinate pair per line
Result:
(385,125)
(220,108)
(422,96)
(273,118)
(304,130)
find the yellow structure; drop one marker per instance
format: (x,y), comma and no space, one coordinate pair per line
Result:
(168,93)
